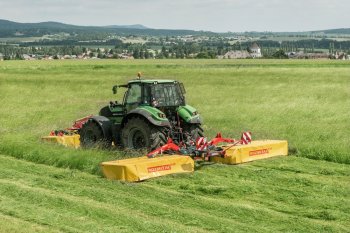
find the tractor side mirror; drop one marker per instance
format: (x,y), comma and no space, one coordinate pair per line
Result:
(182,88)
(114,89)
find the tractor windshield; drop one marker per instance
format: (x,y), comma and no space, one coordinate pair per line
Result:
(167,94)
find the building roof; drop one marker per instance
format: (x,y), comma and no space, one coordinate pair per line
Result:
(254,46)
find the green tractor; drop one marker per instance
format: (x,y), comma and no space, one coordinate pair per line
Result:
(152,111)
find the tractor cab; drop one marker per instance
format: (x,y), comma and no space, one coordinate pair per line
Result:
(155,93)
(165,95)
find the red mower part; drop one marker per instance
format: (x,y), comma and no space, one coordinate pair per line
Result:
(246,138)
(80,122)
(60,133)
(201,144)
(218,139)
(169,146)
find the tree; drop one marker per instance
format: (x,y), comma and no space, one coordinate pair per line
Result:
(280,54)
(136,54)
(147,54)
(100,55)
(203,55)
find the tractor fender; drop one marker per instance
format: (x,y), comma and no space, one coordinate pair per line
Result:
(189,114)
(105,124)
(148,116)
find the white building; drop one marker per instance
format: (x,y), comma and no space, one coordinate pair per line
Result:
(255,50)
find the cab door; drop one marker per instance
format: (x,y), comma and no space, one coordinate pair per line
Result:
(133,97)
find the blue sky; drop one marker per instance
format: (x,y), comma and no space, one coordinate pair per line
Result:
(212,15)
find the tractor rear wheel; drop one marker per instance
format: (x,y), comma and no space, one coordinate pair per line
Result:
(194,130)
(138,134)
(91,136)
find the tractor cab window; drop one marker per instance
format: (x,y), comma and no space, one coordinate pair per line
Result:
(168,94)
(134,94)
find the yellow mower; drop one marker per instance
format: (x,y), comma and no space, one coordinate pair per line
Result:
(172,158)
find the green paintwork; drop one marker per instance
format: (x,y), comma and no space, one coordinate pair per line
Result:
(118,109)
(186,112)
(153,112)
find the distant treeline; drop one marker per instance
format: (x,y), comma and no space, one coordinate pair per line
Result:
(74,42)
(163,49)
(192,47)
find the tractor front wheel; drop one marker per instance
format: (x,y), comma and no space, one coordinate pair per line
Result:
(91,136)
(138,134)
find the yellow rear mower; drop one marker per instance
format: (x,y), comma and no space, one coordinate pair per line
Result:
(153,165)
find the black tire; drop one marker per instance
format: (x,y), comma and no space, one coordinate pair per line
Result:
(91,136)
(194,131)
(138,134)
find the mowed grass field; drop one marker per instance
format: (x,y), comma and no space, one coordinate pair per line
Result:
(46,187)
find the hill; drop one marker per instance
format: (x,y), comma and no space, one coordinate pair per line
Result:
(12,29)
(335,31)
(133,26)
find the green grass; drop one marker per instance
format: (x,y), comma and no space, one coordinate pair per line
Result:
(304,102)
(264,196)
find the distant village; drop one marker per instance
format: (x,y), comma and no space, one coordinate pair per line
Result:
(252,52)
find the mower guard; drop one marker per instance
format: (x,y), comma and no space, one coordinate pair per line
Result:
(142,168)
(256,150)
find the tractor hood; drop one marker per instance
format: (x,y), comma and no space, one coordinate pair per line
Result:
(189,114)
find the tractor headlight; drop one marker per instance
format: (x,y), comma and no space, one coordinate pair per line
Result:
(194,113)
(161,115)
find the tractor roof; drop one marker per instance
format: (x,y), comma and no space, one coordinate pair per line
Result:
(151,81)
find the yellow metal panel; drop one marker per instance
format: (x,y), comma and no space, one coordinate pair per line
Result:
(66,140)
(142,168)
(254,151)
